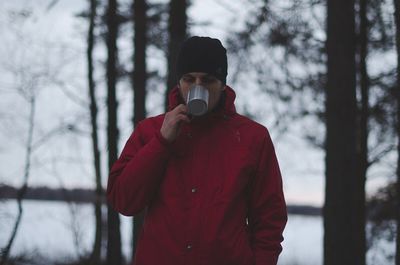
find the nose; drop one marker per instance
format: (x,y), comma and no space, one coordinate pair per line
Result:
(198,81)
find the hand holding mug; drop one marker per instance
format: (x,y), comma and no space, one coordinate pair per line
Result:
(172,122)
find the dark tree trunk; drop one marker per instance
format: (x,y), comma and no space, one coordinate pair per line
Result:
(95,257)
(397,22)
(139,86)
(362,136)
(139,73)
(114,255)
(342,220)
(177,34)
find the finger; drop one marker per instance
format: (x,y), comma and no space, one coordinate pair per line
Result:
(180,109)
(182,117)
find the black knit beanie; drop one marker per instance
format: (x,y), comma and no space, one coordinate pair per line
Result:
(202,54)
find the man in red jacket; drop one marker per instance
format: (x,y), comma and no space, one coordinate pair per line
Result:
(210,185)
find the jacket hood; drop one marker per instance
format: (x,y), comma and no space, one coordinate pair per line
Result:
(227,100)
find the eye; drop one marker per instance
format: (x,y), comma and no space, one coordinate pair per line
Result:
(209,79)
(187,79)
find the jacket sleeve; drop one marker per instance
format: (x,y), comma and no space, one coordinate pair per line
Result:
(136,175)
(267,208)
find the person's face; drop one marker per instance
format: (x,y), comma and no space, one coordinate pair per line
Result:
(213,85)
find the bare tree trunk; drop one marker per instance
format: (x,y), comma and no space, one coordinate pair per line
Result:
(177,34)
(114,254)
(139,73)
(139,87)
(397,21)
(362,136)
(342,220)
(21,192)
(95,257)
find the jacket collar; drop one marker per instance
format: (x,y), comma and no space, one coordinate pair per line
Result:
(227,108)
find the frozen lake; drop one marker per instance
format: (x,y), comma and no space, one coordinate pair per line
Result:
(68,230)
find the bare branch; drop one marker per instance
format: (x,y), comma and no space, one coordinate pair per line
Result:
(21,193)
(51,5)
(375,158)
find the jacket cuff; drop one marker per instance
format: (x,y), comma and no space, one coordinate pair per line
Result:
(162,140)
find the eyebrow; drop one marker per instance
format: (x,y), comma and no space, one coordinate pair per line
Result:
(204,76)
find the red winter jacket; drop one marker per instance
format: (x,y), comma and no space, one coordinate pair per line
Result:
(199,190)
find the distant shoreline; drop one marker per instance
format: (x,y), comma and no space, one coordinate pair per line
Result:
(89,196)
(50,194)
